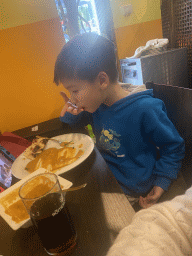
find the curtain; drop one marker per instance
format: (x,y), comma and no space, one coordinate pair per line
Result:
(105,18)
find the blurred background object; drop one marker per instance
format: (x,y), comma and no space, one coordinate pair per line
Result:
(176,18)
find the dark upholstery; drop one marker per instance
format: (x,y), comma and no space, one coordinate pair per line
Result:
(178,101)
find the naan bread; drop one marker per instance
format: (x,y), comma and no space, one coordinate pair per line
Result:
(36,147)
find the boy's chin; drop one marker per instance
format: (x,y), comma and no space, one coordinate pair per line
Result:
(87,110)
(90,110)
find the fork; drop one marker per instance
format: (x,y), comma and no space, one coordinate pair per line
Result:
(60,142)
(74,188)
(73,105)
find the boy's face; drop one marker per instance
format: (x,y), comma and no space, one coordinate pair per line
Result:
(84,94)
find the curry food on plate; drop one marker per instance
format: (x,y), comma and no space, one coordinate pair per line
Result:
(53,158)
(14,206)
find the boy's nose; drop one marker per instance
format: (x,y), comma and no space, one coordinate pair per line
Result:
(73,100)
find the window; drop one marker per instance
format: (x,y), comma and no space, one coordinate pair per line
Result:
(87,18)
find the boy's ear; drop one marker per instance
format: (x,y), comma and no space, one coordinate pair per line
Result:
(103,80)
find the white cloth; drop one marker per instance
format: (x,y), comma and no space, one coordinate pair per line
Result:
(164,229)
(152,47)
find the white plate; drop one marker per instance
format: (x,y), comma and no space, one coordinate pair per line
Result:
(18,167)
(64,183)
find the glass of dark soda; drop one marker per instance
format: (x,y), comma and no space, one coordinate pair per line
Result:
(45,203)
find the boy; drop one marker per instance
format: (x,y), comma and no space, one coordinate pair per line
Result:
(130,126)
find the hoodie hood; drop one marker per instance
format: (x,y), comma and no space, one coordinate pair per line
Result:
(137,92)
(133,88)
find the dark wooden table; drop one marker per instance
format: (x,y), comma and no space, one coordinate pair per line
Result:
(99,212)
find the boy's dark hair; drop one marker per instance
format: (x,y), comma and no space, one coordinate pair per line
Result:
(84,56)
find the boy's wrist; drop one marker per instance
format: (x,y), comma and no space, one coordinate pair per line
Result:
(162,182)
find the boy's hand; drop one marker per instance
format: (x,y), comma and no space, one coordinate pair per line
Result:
(69,107)
(151,198)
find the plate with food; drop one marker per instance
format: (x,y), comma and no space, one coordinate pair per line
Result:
(12,209)
(53,156)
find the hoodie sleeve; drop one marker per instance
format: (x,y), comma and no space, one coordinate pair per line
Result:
(77,121)
(160,131)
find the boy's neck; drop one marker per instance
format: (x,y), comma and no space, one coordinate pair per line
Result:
(115,93)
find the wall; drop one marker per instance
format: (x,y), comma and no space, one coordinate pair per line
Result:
(141,26)
(31,38)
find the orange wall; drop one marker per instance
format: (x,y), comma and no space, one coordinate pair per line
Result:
(129,38)
(28,53)
(142,25)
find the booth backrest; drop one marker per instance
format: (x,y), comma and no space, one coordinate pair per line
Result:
(178,102)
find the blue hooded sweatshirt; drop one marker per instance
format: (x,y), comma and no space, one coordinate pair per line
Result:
(129,134)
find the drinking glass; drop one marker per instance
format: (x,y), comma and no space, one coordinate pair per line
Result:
(45,203)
